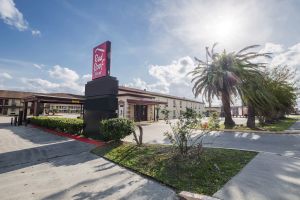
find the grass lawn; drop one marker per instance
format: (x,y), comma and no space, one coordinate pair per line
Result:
(282,125)
(294,116)
(204,174)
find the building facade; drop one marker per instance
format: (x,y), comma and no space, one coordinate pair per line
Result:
(134,104)
(11,102)
(141,105)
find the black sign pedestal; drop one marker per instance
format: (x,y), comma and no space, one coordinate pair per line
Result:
(101,103)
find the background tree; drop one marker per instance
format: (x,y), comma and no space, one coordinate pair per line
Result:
(279,81)
(256,97)
(270,96)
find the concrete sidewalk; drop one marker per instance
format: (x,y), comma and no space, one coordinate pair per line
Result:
(266,177)
(38,165)
(295,126)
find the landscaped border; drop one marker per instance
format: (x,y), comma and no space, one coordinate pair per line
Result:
(177,186)
(72,136)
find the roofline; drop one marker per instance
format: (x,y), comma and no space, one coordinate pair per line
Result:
(51,96)
(129,89)
(120,88)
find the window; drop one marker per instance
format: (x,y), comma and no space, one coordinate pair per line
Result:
(167,103)
(180,103)
(174,103)
(6,102)
(1,102)
(13,102)
(174,113)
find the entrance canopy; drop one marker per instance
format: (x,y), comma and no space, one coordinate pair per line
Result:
(55,98)
(66,99)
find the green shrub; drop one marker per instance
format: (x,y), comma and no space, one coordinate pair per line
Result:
(214,121)
(67,125)
(116,128)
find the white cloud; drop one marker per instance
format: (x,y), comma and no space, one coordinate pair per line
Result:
(4,79)
(64,80)
(156,87)
(85,78)
(36,33)
(169,79)
(10,14)
(5,75)
(175,73)
(63,73)
(40,85)
(272,48)
(192,24)
(39,66)
(285,56)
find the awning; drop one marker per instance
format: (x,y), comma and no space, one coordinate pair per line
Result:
(145,102)
(54,99)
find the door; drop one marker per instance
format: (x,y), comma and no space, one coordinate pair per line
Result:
(140,112)
(121,111)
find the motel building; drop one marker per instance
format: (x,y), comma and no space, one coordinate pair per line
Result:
(11,102)
(142,105)
(134,104)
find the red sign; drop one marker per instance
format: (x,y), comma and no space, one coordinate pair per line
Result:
(101,60)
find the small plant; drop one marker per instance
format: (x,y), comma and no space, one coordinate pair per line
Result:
(138,139)
(116,128)
(214,121)
(165,112)
(183,136)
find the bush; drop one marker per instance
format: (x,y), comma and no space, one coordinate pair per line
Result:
(116,128)
(67,125)
(183,135)
(214,121)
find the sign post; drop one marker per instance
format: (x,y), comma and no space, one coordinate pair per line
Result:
(101,93)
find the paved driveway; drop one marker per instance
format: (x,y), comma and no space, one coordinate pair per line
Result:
(39,165)
(285,144)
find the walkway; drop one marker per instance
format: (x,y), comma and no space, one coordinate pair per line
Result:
(295,126)
(267,177)
(39,165)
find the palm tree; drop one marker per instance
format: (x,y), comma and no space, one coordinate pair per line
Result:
(223,75)
(257,97)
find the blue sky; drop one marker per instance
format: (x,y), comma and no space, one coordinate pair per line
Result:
(46,46)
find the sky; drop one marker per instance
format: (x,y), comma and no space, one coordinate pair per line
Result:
(46,46)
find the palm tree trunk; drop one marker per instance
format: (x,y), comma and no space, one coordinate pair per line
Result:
(229,123)
(251,116)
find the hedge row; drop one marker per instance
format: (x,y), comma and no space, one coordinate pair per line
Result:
(116,128)
(67,125)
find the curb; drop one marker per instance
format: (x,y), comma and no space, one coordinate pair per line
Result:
(72,136)
(139,173)
(293,132)
(184,195)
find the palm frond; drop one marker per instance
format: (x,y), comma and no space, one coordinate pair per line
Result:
(248,47)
